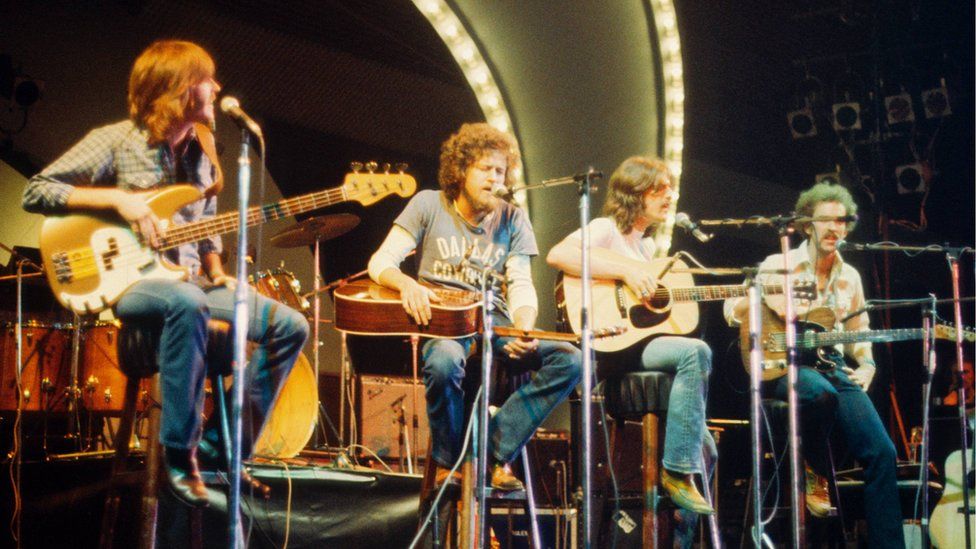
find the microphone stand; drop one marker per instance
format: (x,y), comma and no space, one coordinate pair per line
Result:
(784,226)
(754,292)
(585,183)
(928,351)
(241,320)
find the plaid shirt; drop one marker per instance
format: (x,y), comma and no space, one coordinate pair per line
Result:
(120,155)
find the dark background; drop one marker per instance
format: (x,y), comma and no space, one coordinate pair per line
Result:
(336,81)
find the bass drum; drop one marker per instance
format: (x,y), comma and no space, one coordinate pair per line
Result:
(291,421)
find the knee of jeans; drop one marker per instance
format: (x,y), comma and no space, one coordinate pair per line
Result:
(825,402)
(699,354)
(187,299)
(570,365)
(293,323)
(444,364)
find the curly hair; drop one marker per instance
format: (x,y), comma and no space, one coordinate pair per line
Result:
(467,146)
(627,186)
(160,81)
(824,192)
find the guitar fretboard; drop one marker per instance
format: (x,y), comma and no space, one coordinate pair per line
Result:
(812,340)
(715,293)
(229,222)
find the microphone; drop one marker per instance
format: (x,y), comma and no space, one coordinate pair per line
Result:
(230,106)
(843,245)
(682,220)
(500,190)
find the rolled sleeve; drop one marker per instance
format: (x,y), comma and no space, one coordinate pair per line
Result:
(88,161)
(391,253)
(521,291)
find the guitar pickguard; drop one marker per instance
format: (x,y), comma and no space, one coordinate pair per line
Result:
(116,259)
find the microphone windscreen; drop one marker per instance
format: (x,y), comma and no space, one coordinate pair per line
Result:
(229,103)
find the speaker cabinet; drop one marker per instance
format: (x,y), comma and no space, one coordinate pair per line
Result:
(391,412)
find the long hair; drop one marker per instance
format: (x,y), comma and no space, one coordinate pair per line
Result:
(464,148)
(160,81)
(824,192)
(627,186)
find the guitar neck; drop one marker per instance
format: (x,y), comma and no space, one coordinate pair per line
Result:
(229,222)
(812,340)
(719,292)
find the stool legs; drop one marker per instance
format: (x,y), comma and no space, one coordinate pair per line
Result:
(150,490)
(119,462)
(530,500)
(652,523)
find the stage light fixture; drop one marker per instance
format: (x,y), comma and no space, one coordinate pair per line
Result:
(847,116)
(899,108)
(936,101)
(802,123)
(911,179)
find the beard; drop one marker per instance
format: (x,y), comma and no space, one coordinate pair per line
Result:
(481,202)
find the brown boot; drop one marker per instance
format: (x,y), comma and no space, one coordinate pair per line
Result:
(817,494)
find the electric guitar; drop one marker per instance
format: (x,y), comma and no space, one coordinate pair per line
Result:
(92,259)
(672,310)
(816,342)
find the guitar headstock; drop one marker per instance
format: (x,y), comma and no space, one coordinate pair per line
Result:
(805,289)
(948,332)
(372,186)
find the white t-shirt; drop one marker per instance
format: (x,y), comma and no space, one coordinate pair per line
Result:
(605,234)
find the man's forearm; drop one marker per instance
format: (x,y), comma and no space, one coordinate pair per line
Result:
(524,318)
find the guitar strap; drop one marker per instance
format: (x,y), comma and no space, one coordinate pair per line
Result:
(208,144)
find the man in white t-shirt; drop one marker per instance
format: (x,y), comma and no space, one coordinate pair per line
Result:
(639,197)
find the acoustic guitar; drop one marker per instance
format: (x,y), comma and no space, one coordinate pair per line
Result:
(92,259)
(816,341)
(672,310)
(946,527)
(363,307)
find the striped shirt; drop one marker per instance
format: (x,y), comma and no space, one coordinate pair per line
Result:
(120,155)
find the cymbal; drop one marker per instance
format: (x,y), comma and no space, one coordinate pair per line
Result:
(323,227)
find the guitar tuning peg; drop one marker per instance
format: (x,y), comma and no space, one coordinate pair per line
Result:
(371,166)
(356,166)
(386,167)
(402,166)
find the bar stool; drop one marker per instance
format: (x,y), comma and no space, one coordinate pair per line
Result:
(506,382)
(138,346)
(643,396)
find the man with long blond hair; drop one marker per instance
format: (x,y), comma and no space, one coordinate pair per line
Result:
(458,232)
(639,197)
(165,141)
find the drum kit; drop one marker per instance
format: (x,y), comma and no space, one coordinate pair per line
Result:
(71,368)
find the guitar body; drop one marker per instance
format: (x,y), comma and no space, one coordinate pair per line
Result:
(615,305)
(946,527)
(774,353)
(363,307)
(91,260)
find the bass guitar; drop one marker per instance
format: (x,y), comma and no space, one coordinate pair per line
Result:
(816,342)
(672,310)
(92,259)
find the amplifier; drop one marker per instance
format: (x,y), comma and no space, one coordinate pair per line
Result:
(387,408)
(510,528)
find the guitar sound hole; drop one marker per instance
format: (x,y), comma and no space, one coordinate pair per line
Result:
(641,317)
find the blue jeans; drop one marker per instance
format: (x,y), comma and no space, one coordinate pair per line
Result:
(690,360)
(557,367)
(829,399)
(183,309)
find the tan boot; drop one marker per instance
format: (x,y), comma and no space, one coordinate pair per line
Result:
(684,493)
(503,479)
(817,494)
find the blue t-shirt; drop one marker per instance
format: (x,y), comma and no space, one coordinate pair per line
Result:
(444,237)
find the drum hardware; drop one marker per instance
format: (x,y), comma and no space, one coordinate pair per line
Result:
(314,231)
